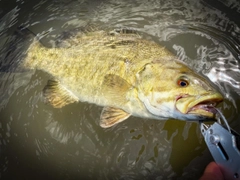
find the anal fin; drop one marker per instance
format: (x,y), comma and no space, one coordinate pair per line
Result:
(111,116)
(57,95)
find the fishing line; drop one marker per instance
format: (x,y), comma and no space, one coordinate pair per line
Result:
(223,118)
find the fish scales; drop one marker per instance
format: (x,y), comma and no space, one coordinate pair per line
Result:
(126,74)
(91,59)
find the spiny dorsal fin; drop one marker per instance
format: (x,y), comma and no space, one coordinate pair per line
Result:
(115,88)
(123,30)
(111,116)
(57,95)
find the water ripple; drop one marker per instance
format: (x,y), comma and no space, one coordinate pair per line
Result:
(69,141)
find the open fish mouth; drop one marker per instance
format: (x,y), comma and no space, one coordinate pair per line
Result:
(204,109)
(203,106)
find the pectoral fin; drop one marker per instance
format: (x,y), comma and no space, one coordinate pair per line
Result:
(115,88)
(111,116)
(57,95)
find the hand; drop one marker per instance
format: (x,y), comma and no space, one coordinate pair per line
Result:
(212,172)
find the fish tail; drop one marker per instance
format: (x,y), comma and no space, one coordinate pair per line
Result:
(31,59)
(14,51)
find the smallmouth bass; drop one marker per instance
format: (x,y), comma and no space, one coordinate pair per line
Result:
(126,74)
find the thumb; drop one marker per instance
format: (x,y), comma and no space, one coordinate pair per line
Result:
(212,172)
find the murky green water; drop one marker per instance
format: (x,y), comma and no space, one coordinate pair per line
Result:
(40,142)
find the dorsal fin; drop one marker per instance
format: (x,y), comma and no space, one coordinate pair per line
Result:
(123,30)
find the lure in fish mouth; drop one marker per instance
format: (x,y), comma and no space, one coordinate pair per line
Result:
(204,106)
(185,107)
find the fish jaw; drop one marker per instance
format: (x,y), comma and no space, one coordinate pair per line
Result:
(203,105)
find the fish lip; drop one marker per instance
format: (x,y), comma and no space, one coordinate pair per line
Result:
(205,104)
(208,106)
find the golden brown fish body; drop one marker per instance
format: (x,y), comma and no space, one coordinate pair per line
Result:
(124,73)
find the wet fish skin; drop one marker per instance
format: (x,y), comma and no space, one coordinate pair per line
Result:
(126,74)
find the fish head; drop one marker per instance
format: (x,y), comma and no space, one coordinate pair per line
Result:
(170,89)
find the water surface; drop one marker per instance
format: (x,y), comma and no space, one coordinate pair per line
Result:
(38,141)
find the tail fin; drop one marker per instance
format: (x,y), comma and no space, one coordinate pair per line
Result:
(15,48)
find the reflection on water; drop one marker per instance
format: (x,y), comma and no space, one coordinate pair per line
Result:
(38,141)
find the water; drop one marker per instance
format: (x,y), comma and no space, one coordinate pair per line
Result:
(38,141)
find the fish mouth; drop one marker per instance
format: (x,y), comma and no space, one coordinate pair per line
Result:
(200,106)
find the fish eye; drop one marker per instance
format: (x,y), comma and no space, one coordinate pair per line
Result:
(182,82)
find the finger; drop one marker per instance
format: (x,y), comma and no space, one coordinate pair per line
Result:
(212,172)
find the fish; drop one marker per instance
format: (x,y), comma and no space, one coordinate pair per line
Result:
(124,73)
